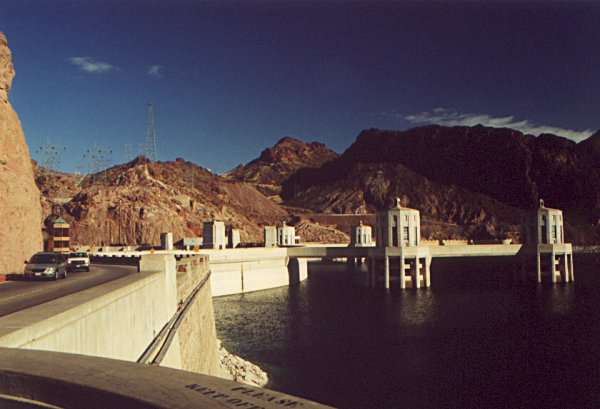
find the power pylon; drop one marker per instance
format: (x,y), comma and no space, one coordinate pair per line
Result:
(50,156)
(128,148)
(99,158)
(151,137)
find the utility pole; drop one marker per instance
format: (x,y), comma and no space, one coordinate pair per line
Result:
(151,152)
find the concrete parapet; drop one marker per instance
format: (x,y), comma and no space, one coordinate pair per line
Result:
(197,334)
(117,319)
(77,381)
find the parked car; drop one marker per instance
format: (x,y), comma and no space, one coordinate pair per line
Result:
(46,265)
(78,260)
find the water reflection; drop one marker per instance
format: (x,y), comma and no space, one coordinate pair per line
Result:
(416,307)
(561,299)
(459,344)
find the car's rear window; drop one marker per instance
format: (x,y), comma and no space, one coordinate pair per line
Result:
(43,258)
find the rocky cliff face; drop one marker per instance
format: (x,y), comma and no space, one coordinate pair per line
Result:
(134,202)
(477,177)
(276,164)
(20,209)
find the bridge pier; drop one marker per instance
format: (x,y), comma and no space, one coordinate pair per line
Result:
(554,261)
(386,272)
(411,266)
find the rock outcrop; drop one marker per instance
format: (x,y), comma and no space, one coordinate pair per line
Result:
(238,369)
(274,165)
(20,209)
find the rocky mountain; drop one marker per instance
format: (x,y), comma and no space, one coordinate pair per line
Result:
(478,177)
(274,165)
(56,188)
(20,209)
(133,203)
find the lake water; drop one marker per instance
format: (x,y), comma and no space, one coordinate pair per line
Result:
(474,340)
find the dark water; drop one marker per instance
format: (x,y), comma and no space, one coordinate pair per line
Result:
(474,340)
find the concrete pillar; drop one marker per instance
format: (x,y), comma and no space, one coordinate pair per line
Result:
(539,268)
(553,267)
(566,268)
(386,261)
(165,263)
(572,269)
(427,271)
(417,279)
(402,273)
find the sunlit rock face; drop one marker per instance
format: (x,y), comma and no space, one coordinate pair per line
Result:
(20,208)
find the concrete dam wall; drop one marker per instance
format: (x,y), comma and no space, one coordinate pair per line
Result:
(122,318)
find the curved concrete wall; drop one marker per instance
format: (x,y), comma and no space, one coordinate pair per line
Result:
(76,381)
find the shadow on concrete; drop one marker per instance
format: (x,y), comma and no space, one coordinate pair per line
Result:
(15,277)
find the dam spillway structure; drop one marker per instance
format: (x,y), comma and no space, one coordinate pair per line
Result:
(399,255)
(543,238)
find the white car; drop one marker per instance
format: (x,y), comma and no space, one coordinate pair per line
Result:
(78,260)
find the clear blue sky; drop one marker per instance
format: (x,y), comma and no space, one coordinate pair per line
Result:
(228,79)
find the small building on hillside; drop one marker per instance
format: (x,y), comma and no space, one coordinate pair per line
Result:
(286,235)
(233,237)
(270,236)
(166,241)
(213,235)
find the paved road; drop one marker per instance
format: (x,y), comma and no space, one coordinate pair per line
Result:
(18,294)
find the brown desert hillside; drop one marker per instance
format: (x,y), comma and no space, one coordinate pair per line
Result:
(134,202)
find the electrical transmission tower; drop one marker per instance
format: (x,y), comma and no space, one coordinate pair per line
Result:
(99,158)
(151,137)
(50,156)
(128,152)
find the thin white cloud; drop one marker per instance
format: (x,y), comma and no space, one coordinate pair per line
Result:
(154,71)
(449,117)
(88,64)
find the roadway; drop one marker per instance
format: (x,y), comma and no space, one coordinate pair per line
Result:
(18,294)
